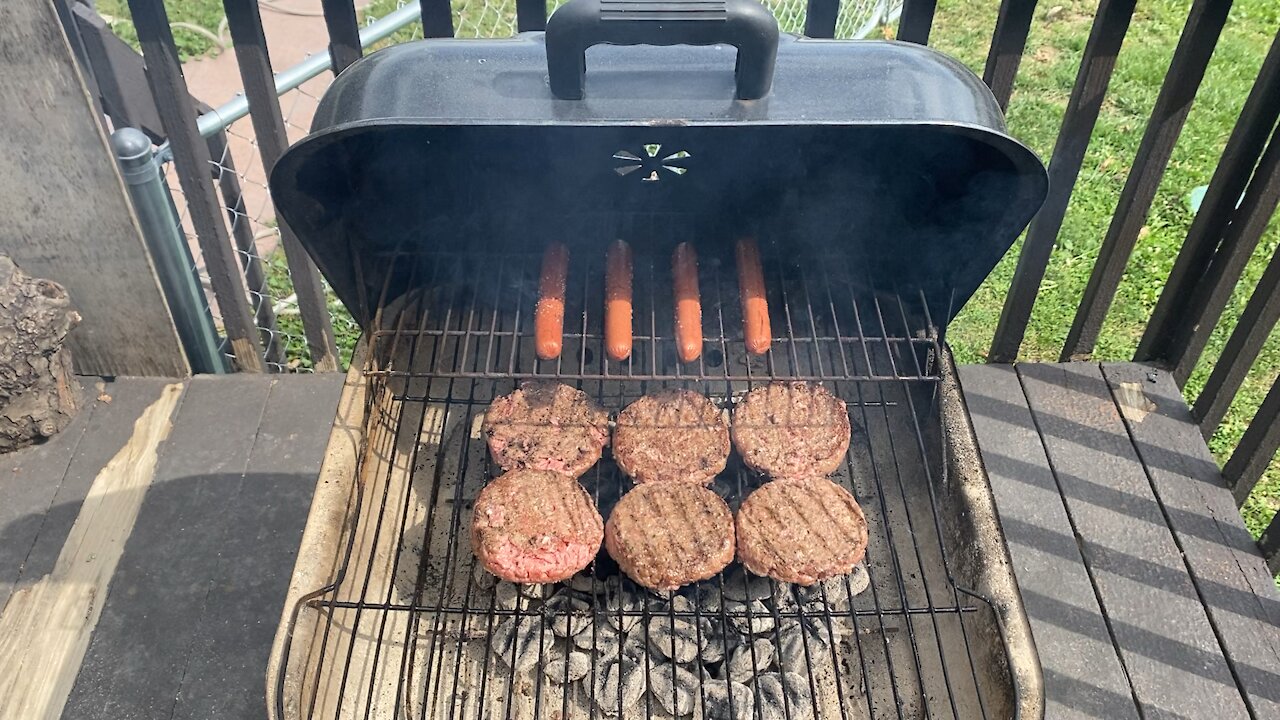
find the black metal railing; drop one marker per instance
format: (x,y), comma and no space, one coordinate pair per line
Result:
(1220,242)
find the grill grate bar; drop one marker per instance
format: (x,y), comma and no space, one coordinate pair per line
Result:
(409,631)
(879,354)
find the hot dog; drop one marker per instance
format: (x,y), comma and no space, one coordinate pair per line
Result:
(755,308)
(617,301)
(548,316)
(684,270)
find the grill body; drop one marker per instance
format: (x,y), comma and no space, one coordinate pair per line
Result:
(881,187)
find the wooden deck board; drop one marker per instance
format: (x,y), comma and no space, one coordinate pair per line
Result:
(1172,657)
(29,481)
(138,656)
(1082,673)
(1229,574)
(226,670)
(109,428)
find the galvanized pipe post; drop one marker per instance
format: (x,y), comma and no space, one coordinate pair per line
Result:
(169,250)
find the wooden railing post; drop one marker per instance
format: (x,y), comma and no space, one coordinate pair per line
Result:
(1256,449)
(191,154)
(916,21)
(437,18)
(224,171)
(344,33)
(531,15)
(1208,267)
(1181,82)
(1270,544)
(1109,28)
(1008,41)
(820,18)
(268,125)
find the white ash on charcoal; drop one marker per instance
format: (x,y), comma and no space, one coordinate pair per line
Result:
(674,688)
(572,667)
(674,638)
(483,579)
(510,596)
(585,583)
(836,592)
(754,618)
(717,645)
(622,606)
(568,613)
(743,586)
(728,700)
(519,642)
(799,648)
(619,686)
(784,696)
(748,660)
(600,640)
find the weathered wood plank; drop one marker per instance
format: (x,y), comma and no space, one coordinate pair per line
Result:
(1008,41)
(66,214)
(1226,567)
(1082,672)
(1166,642)
(29,482)
(45,629)
(108,429)
(1177,93)
(139,652)
(1202,263)
(225,672)
(191,157)
(1110,24)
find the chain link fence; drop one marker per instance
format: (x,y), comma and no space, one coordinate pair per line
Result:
(251,217)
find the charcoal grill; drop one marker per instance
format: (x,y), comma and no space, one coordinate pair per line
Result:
(881,188)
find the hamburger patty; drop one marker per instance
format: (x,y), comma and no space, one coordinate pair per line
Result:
(535,526)
(791,430)
(674,435)
(546,426)
(801,531)
(665,535)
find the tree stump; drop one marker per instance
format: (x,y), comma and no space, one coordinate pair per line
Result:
(38,390)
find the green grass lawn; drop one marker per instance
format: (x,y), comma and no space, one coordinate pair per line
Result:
(191,43)
(963,28)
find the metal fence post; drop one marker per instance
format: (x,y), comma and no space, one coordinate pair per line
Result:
(168,245)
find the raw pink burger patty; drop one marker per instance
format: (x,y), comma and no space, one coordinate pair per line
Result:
(791,430)
(671,436)
(801,531)
(546,426)
(534,526)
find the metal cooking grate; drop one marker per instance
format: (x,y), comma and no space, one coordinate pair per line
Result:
(828,323)
(411,628)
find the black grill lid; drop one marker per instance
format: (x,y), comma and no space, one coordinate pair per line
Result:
(890,151)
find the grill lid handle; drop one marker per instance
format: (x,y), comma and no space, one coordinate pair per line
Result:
(580,24)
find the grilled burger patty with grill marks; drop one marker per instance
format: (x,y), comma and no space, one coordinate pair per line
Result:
(671,436)
(791,430)
(546,426)
(665,535)
(535,526)
(801,531)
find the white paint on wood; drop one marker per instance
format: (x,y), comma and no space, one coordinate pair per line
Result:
(45,628)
